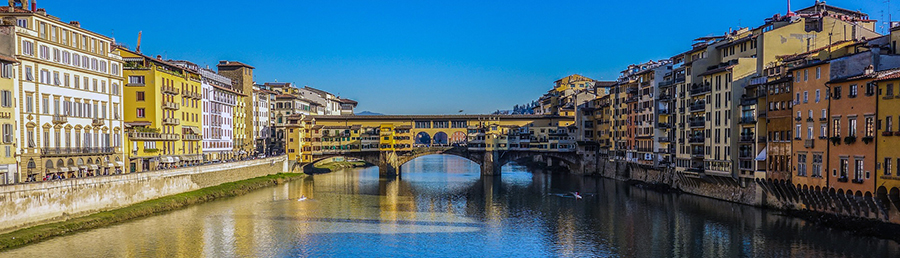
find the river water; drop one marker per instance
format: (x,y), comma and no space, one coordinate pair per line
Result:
(441,207)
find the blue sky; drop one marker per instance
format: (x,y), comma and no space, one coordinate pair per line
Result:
(425,57)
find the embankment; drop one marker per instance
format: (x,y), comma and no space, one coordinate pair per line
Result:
(26,205)
(38,233)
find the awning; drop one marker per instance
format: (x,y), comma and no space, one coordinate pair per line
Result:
(166,160)
(83,167)
(176,160)
(109,165)
(762,155)
(73,168)
(120,163)
(94,167)
(62,169)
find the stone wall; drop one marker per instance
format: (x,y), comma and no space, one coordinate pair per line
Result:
(30,204)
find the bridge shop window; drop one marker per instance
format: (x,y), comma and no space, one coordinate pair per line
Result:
(423,124)
(441,124)
(458,124)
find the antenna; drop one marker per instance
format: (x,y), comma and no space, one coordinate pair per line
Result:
(138,49)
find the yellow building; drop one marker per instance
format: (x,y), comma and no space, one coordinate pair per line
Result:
(574,82)
(887,177)
(163,117)
(8,167)
(243,144)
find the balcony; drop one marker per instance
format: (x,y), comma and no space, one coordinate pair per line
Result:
(696,139)
(698,107)
(191,137)
(59,152)
(170,90)
(809,143)
(171,121)
(631,90)
(700,90)
(663,111)
(631,99)
(697,154)
(700,123)
(664,125)
(170,105)
(747,138)
(664,139)
(60,119)
(97,122)
(748,120)
(748,100)
(192,95)
(745,154)
(665,97)
(761,139)
(146,136)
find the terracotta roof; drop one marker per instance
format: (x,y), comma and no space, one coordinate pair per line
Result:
(8,59)
(717,70)
(890,74)
(348,101)
(7,9)
(286,96)
(228,90)
(814,51)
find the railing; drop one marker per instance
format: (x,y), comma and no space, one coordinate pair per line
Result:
(700,90)
(53,152)
(171,121)
(193,95)
(697,107)
(747,137)
(60,119)
(170,105)
(664,139)
(695,139)
(170,90)
(152,136)
(700,123)
(191,137)
(664,125)
(748,120)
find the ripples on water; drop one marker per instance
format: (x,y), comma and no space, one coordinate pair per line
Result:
(443,208)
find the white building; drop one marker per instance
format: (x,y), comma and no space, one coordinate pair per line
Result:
(330,104)
(219,100)
(69,86)
(263,100)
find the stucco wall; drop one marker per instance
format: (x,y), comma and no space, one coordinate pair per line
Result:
(30,204)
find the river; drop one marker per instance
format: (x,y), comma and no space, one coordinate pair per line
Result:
(442,207)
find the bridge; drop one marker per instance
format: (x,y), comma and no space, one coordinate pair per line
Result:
(490,141)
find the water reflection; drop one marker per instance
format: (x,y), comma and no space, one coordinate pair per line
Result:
(442,207)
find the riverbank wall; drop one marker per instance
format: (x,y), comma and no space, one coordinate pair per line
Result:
(25,205)
(757,191)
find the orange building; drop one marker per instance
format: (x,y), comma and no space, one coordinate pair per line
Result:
(811,131)
(852,153)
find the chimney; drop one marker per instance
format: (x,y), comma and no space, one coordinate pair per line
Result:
(41,11)
(33,5)
(869,70)
(75,23)
(159,57)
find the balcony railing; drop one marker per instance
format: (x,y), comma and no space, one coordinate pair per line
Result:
(171,121)
(698,123)
(170,105)
(696,139)
(700,90)
(152,136)
(748,120)
(170,90)
(698,107)
(192,95)
(60,119)
(56,152)
(191,137)
(747,137)
(809,143)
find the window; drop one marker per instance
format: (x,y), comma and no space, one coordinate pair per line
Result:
(136,80)
(29,73)
(844,167)
(806,75)
(852,93)
(817,95)
(27,48)
(45,105)
(870,89)
(889,89)
(29,104)
(817,165)
(823,130)
(140,112)
(801,164)
(870,126)
(6,99)
(836,128)
(858,171)
(851,125)
(805,96)
(798,132)
(818,72)
(22,23)
(44,77)
(139,95)
(7,133)
(837,92)
(887,166)
(888,124)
